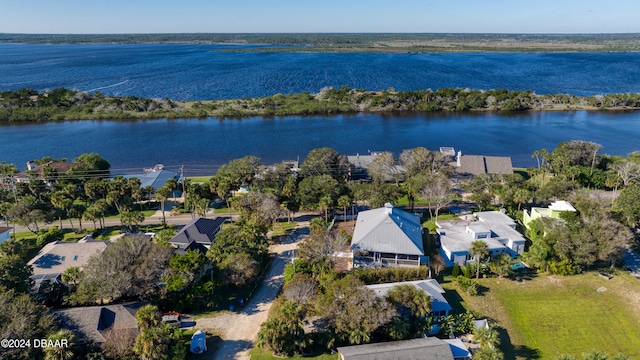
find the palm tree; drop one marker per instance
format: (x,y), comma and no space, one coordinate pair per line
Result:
(147,316)
(344,201)
(66,339)
(486,337)
(72,275)
(479,250)
(162,194)
(324,204)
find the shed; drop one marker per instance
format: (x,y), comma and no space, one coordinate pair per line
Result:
(198,342)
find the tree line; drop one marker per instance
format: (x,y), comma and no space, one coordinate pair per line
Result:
(28,105)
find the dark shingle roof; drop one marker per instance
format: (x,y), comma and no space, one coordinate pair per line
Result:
(91,322)
(478,164)
(430,348)
(200,230)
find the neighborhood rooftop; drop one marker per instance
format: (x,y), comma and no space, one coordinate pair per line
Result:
(57,256)
(388,230)
(430,287)
(429,348)
(201,230)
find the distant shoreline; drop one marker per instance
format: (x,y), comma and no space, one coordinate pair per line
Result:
(359,42)
(29,106)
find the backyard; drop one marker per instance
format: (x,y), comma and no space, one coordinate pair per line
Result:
(543,316)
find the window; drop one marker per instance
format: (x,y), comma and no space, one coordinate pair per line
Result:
(75,258)
(481,236)
(62,258)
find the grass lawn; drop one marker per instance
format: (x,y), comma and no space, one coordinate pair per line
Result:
(431,223)
(282,228)
(260,354)
(199,179)
(549,315)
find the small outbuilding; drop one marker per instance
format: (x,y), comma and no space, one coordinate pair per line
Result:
(198,342)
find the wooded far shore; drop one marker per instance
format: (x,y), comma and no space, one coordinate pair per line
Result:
(363,42)
(28,105)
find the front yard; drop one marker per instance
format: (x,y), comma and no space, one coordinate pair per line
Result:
(546,316)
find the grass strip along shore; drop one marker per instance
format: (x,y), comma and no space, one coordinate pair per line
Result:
(28,105)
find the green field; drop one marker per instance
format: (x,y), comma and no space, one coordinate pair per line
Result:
(546,316)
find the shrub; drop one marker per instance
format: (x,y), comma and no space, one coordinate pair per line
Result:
(456,270)
(467,285)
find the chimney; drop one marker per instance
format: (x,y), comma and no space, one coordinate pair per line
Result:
(388,208)
(31,165)
(458,158)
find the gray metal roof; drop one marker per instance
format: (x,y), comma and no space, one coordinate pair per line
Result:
(388,230)
(201,230)
(429,348)
(155,179)
(430,286)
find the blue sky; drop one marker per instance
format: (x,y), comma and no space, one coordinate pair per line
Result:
(214,16)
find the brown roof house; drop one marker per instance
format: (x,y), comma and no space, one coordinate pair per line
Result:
(387,236)
(52,168)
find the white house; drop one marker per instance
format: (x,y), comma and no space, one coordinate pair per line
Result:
(496,229)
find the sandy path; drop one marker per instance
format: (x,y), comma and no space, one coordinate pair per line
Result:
(239,330)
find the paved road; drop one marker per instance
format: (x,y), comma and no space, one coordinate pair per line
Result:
(631,261)
(239,330)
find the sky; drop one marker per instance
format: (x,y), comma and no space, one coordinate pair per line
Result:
(305,16)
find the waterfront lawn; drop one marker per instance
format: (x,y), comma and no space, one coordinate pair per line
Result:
(551,315)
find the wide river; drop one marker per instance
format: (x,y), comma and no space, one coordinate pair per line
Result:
(191,72)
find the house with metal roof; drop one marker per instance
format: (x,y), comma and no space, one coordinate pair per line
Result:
(155,178)
(496,229)
(58,256)
(387,236)
(96,323)
(201,231)
(439,305)
(430,348)
(552,211)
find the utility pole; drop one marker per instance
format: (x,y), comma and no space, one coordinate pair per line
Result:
(182,178)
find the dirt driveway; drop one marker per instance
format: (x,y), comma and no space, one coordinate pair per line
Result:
(239,330)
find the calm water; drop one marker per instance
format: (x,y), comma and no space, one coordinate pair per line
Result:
(202,145)
(192,72)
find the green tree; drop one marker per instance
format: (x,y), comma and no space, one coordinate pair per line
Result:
(627,205)
(15,273)
(353,310)
(22,318)
(60,352)
(324,161)
(479,250)
(486,337)
(132,267)
(311,189)
(413,307)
